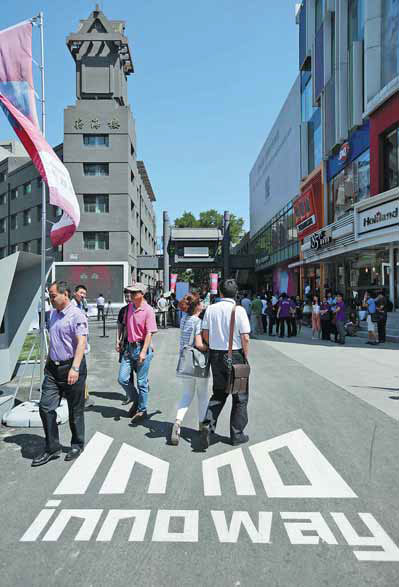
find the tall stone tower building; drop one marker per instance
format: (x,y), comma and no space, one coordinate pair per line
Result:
(113,188)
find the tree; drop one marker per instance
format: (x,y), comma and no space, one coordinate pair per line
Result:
(212,219)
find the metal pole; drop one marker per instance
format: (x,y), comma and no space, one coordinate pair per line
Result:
(226,245)
(166,238)
(44,203)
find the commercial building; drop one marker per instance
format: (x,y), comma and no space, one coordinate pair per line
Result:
(274,183)
(99,150)
(347,211)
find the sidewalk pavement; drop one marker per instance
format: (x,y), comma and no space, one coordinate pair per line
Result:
(371,373)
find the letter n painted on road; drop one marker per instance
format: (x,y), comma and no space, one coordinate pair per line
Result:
(236,461)
(324,480)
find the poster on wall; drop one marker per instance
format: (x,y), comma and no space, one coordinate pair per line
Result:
(214,283)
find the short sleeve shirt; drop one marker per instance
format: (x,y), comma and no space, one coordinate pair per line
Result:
(140,322)
(340,315)
(64,328)
(371,305)
(285,306)
(217,322)
(190,327)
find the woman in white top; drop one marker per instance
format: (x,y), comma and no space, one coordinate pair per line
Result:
(190,325)
(316,325)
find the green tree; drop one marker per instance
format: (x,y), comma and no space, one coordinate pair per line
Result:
(212,219)
(186,220)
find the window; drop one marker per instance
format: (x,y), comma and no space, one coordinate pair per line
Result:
(39,182)
(3,252)
(27,217)
(57,211)
(98,204)
(13,220)
(96,140)
(96,241)
(350,186)
(131,150)
(26,246)
(39,246)
(14,193)
(390,40)
(13,249)
(2,176)
(132,176)
(3,199)
(27,188)
(96,168)
(39,213)
(319,13)
(307,107)
(315,140)
(3,225)
(356,21)
(391,159)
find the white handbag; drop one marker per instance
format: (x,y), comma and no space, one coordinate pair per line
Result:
(192,362)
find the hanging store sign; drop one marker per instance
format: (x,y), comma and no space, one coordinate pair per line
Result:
(378,217)
(320,239)
(344,152)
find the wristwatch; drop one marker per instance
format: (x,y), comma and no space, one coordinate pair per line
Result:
(76,369)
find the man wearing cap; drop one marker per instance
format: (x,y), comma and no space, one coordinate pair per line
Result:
(65,375)
(141,325)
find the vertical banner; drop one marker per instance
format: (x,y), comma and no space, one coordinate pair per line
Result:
(173,280)
(214,282)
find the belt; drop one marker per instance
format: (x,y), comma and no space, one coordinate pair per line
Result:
(59,363)
(137,342)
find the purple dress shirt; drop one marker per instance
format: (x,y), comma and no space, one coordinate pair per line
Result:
(64,328)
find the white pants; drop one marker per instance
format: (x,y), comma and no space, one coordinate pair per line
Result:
(190,385)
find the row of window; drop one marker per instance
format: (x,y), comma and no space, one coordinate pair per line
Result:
(279,234)
(101,140)
(27,218)
(22,190)
(34,246)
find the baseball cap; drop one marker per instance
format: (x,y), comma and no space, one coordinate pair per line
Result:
(136,287)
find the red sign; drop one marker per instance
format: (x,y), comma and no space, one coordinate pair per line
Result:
(173,279)
(344,152)
(305,212)
(214,283)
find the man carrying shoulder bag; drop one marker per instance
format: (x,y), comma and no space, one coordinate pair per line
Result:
(225,323)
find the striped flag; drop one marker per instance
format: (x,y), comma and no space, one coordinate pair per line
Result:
(17,101)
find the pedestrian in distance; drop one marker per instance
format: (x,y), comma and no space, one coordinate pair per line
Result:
(256,315)
(64,375)
(372,318)
(121,347)
(163,307)
(79,300)
(325,319)
(100,302)
(381,307)
(264,314)
(246,304)
(271,317)
(340,318)
(190,333)
(316,327)
(293,316)
(138,354)
(215,333)
(298,314)
(284,315)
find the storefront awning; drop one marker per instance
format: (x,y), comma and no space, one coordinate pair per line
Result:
(296,264)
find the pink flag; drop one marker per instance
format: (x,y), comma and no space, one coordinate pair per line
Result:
(16,80)
(214,282)
(173,280)
(52,170)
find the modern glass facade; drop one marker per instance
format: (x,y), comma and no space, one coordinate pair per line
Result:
(391,159)
(312,116)
(351,185)
(277,242)
(390,40)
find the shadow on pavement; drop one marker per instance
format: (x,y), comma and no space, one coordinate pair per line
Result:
(108,395)
(109,412)
(31,444)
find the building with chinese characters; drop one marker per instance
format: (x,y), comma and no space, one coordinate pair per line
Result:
(99,150)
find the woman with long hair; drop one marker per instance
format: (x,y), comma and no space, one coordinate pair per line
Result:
(316,327)
(190,332)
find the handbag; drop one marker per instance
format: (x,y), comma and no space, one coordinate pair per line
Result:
(193,362)
(238,375)
(374,317)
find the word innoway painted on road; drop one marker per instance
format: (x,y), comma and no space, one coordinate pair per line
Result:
(301,527)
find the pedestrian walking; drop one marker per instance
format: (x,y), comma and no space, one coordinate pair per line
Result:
(246,304)
(298,314)
(121,347)
(256,315)
(271,317)
(163,307)
(79,300)
(138,354)
(283,315)
(215,333)
(340,318)
(264,314)
(381,307)
(325,319)
(316,327)
(190,335)
(64,375)
(293,316)
(100,302)
(372,318)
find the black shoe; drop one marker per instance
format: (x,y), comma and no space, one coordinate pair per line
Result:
(205,436)
(126,402)
(132,410)
(45,457)
(241,440)
(138,417)
(73,454)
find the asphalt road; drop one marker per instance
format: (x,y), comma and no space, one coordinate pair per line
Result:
(311,500)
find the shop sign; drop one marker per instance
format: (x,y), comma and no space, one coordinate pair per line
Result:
(306,223)
(344,152)
(320,239)
(378,217)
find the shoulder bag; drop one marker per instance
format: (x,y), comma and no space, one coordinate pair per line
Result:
(193,362)
(238,375)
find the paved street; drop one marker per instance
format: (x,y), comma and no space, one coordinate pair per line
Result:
(318,479)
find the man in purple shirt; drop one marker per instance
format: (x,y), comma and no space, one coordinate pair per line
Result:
(284,314)
(64,376)
(340,318)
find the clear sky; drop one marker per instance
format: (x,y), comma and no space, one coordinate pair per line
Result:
(210,78)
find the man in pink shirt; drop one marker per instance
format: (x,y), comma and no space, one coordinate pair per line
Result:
(141,325)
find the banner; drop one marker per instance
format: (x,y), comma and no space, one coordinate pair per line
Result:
(52,170)
(214,277)
(16,80)
(173,280)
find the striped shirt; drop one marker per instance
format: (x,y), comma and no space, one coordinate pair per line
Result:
(187,325)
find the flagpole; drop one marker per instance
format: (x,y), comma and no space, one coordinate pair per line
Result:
(44,217)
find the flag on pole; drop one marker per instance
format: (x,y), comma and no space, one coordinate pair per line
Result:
(16,79)
(17,101)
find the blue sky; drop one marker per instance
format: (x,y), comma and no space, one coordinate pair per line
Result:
(210,78)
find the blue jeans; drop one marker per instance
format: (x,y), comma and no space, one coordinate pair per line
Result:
(130,361)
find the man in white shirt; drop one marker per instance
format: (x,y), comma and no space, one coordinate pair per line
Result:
(163,307)
(215,332)
(100,301)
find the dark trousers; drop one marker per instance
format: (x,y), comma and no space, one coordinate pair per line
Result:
(272,320)
(325,329)
(283,322)
(264,323)
(293,326)
(100,312)
(55,387)
(239,414)
(382,327)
